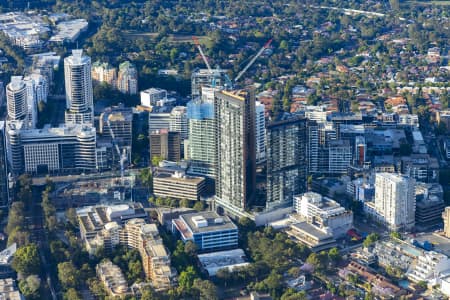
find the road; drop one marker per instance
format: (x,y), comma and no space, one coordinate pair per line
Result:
(35,222)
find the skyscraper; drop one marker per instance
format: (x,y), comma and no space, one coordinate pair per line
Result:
(286,160)
(201,146)
(260,128)
(78,81)
(235,150)
(16,97)
(395,201)
(4,197)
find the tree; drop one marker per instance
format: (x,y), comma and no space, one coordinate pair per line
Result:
(156,160)
(146,177)
(395,235)
(26,260)
(190,248)
(16,217)
(318,260)
(68,275)
(71,215)
(19,236)
(29,287)
(291,294)
(72,294)
(370,239)
(185,203)
(206,289)
(199,206)
(334,255)
(186,280)
(422,284)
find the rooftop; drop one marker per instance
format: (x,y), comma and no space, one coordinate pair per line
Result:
(212,262)
(207,221)
(312,230)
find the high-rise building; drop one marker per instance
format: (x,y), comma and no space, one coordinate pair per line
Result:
(78,81)
(201,146)
(159,119)
(395,201)
(179,122)
(260,128)
(104,73)
(4,195)
(37,87)
(119,121)
(287,142)
(235,148)
(127,79)
(14,149)
(16,97)
(165,144)
(313,147)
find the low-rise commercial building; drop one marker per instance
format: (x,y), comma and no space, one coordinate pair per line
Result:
(315,238)
(178,186)
(324,213)
(208,230)
(231,259)
(92,219)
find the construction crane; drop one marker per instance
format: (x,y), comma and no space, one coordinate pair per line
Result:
(229,82)
(266,45)
(122,155)
(197,44)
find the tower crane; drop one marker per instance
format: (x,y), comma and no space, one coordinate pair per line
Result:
(229,83)
(122,155)
(266,45)
(199,47)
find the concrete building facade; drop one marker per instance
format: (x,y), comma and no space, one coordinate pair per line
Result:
(235,150)
(395,201)
(79,94)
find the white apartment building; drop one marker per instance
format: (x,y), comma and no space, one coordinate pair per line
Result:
(150,97)
(16,97)
(78,81)
(395,202)
(428,267)
(323,212)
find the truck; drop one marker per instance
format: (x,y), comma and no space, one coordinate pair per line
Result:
(425,245)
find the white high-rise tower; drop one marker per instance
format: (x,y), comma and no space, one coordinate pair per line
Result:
(16,97)
(78,80)
(395,200)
